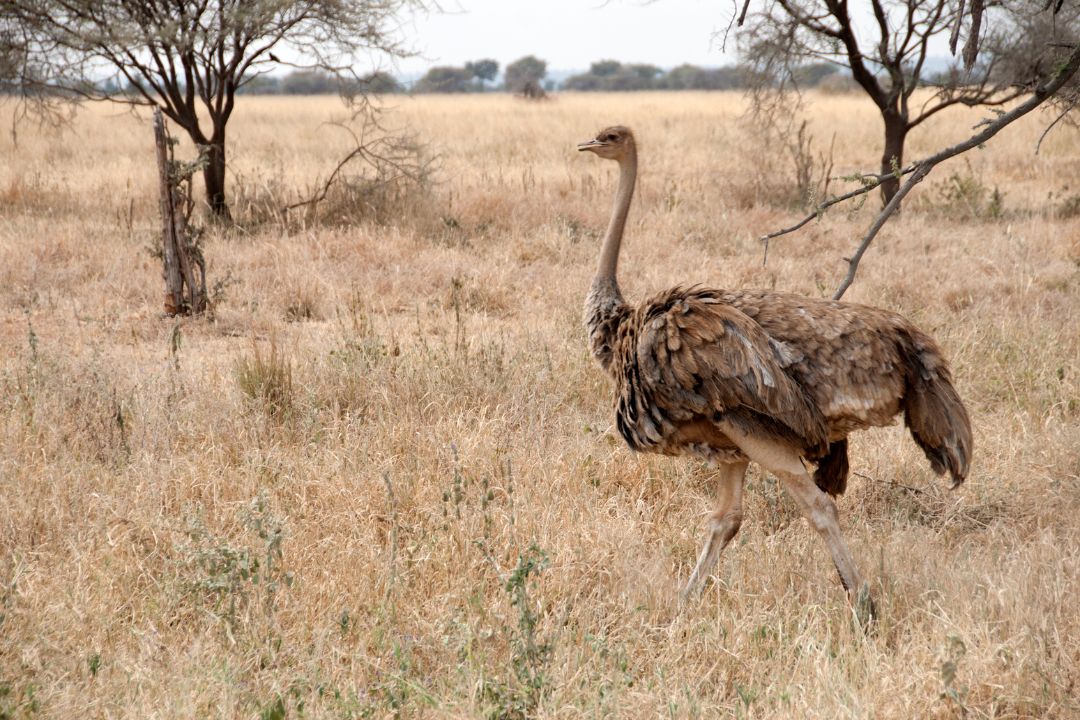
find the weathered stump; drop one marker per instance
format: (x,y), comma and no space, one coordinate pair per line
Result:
(184,268)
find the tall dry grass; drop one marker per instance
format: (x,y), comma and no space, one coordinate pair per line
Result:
(383,480)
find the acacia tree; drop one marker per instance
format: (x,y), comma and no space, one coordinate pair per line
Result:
(886,57)
(524,72)
(483,70)
(445,79)
(190,57)
(1038,45)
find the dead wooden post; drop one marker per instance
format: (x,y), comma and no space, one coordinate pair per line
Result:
(185,293)
(174,283)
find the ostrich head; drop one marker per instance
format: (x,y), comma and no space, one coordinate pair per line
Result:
(611,143)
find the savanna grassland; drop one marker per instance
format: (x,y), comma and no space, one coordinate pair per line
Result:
(383,479)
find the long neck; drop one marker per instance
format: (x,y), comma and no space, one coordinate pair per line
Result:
(609,252)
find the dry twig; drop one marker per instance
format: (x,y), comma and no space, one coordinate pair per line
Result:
(384,153)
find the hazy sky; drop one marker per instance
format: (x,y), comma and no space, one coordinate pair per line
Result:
(571,34)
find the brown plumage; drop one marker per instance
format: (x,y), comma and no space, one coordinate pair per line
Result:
(738,375)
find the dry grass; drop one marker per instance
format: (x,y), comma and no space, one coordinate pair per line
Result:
(407,499)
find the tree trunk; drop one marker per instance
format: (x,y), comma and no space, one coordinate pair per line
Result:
(214,175)
(892,158)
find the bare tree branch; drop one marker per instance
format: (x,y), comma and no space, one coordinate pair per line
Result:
(742,15)
(390,159)
(955,36)
(853,262)
(870,182)
(971,47)
(1051,126)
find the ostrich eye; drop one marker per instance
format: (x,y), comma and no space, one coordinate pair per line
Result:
(611,138)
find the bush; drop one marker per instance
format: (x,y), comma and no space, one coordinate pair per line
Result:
(962,196)
(445,79)
(838,84)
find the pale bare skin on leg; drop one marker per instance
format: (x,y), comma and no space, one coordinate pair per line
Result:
(816,506)
(723,525)
(820,511)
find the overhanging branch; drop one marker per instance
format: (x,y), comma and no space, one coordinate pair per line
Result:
(870,182)
(921,168)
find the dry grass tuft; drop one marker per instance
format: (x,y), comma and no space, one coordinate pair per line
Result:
(382,479)
(265,379)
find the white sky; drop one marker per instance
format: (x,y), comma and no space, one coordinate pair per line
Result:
(571,34)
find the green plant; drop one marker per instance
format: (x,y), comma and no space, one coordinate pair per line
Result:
(93,664)
(18,704)
(456,492)
(529,654)
(230,574)
(270,530)
(1066,205)
(274,710)
(950,664)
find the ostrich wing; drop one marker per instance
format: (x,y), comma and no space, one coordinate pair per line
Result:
(699,356)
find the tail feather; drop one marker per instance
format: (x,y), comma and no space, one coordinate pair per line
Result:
(832,469)
(934,412)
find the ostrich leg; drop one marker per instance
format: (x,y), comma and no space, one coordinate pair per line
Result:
(816,506)
(820,512)
(723,525)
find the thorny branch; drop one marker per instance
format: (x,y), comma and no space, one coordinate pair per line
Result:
(869,182)
(920,172)
(735,21)
(1061,116)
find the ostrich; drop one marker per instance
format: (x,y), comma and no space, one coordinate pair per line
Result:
(733,376)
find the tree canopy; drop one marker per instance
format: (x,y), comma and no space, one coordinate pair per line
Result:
(524,72)
(887,58)
(446,79)
(483,70)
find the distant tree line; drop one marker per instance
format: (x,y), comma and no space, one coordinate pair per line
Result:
(611,75)
(520,76)
(475,76)
(604,75)
(317,82)
(298,82)
(480,75)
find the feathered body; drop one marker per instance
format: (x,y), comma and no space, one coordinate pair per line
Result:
(803,371)
(734,376)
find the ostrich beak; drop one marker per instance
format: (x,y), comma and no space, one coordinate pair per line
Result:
(594,143)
